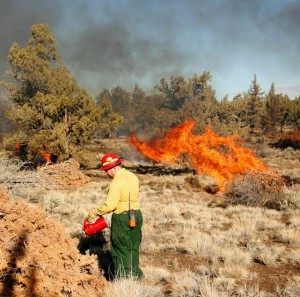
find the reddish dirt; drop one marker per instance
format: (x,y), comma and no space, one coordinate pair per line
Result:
(38,258)
(270,278)
(66,175)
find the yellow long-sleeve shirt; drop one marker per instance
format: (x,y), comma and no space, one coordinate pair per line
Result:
(124,185)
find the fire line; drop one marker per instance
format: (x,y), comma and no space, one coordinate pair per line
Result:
(209,153)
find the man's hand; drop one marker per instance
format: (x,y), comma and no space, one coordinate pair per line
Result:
(90,220)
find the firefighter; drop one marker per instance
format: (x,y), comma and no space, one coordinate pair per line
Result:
(123,195)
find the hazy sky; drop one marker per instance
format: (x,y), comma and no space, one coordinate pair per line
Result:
(106,43)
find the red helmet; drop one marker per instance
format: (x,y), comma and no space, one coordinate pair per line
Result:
(109,161)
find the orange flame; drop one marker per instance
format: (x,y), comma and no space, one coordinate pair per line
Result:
(44,154)
(46,157)
(219,157)
(41,152)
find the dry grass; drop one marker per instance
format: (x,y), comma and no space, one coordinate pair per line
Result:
(291,256)
(236,271)
(291,289)
(289,237)
(17,179)
(191,248)
(292,197)
(131,288)
(189,284)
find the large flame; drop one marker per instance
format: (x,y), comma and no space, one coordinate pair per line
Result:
(209,153)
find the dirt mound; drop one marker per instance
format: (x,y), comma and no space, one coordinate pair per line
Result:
(38,258)
(63,175)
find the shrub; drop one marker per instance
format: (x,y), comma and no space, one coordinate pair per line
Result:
(292,197)
(256,189)
(289,139)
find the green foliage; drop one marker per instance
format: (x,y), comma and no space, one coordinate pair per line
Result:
(226,122)
(50,108)
(179,99)
(191,99)
(147,112)
(111,120)
(294,112)
(121,103)
(201,105)
(176,93)
(255,105)
(272,114)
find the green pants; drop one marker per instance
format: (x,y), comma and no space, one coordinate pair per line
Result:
(125,244)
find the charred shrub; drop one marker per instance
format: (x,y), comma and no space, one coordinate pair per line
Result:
(256,189)
(289,139)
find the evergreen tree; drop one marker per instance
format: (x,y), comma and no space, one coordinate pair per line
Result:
(122,103)
(201,104)
(176,92)
(294,113)
(138,95)
(50,108)
(255,105)
(273,116)
(108,129)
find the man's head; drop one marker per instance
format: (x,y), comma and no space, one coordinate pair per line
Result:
(111,164)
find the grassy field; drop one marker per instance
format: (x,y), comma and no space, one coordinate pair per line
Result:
(195,243)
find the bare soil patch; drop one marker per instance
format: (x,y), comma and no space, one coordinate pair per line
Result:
(66,175)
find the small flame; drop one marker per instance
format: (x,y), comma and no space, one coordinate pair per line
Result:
(209,153)
(46,157)
(41,152)
(44,154)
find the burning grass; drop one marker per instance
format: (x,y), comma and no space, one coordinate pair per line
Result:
(208,153)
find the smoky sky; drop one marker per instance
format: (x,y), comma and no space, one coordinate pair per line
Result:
(107,43)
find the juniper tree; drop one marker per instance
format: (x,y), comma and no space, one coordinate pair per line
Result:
(201,104)
(255,105)
(274,113)
(49,106)
(294,112)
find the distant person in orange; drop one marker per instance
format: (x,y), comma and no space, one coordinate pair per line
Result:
(123,200)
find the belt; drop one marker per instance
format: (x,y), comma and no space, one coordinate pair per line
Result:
(126,212)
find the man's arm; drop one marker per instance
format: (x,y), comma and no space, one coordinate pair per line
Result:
(109,205)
